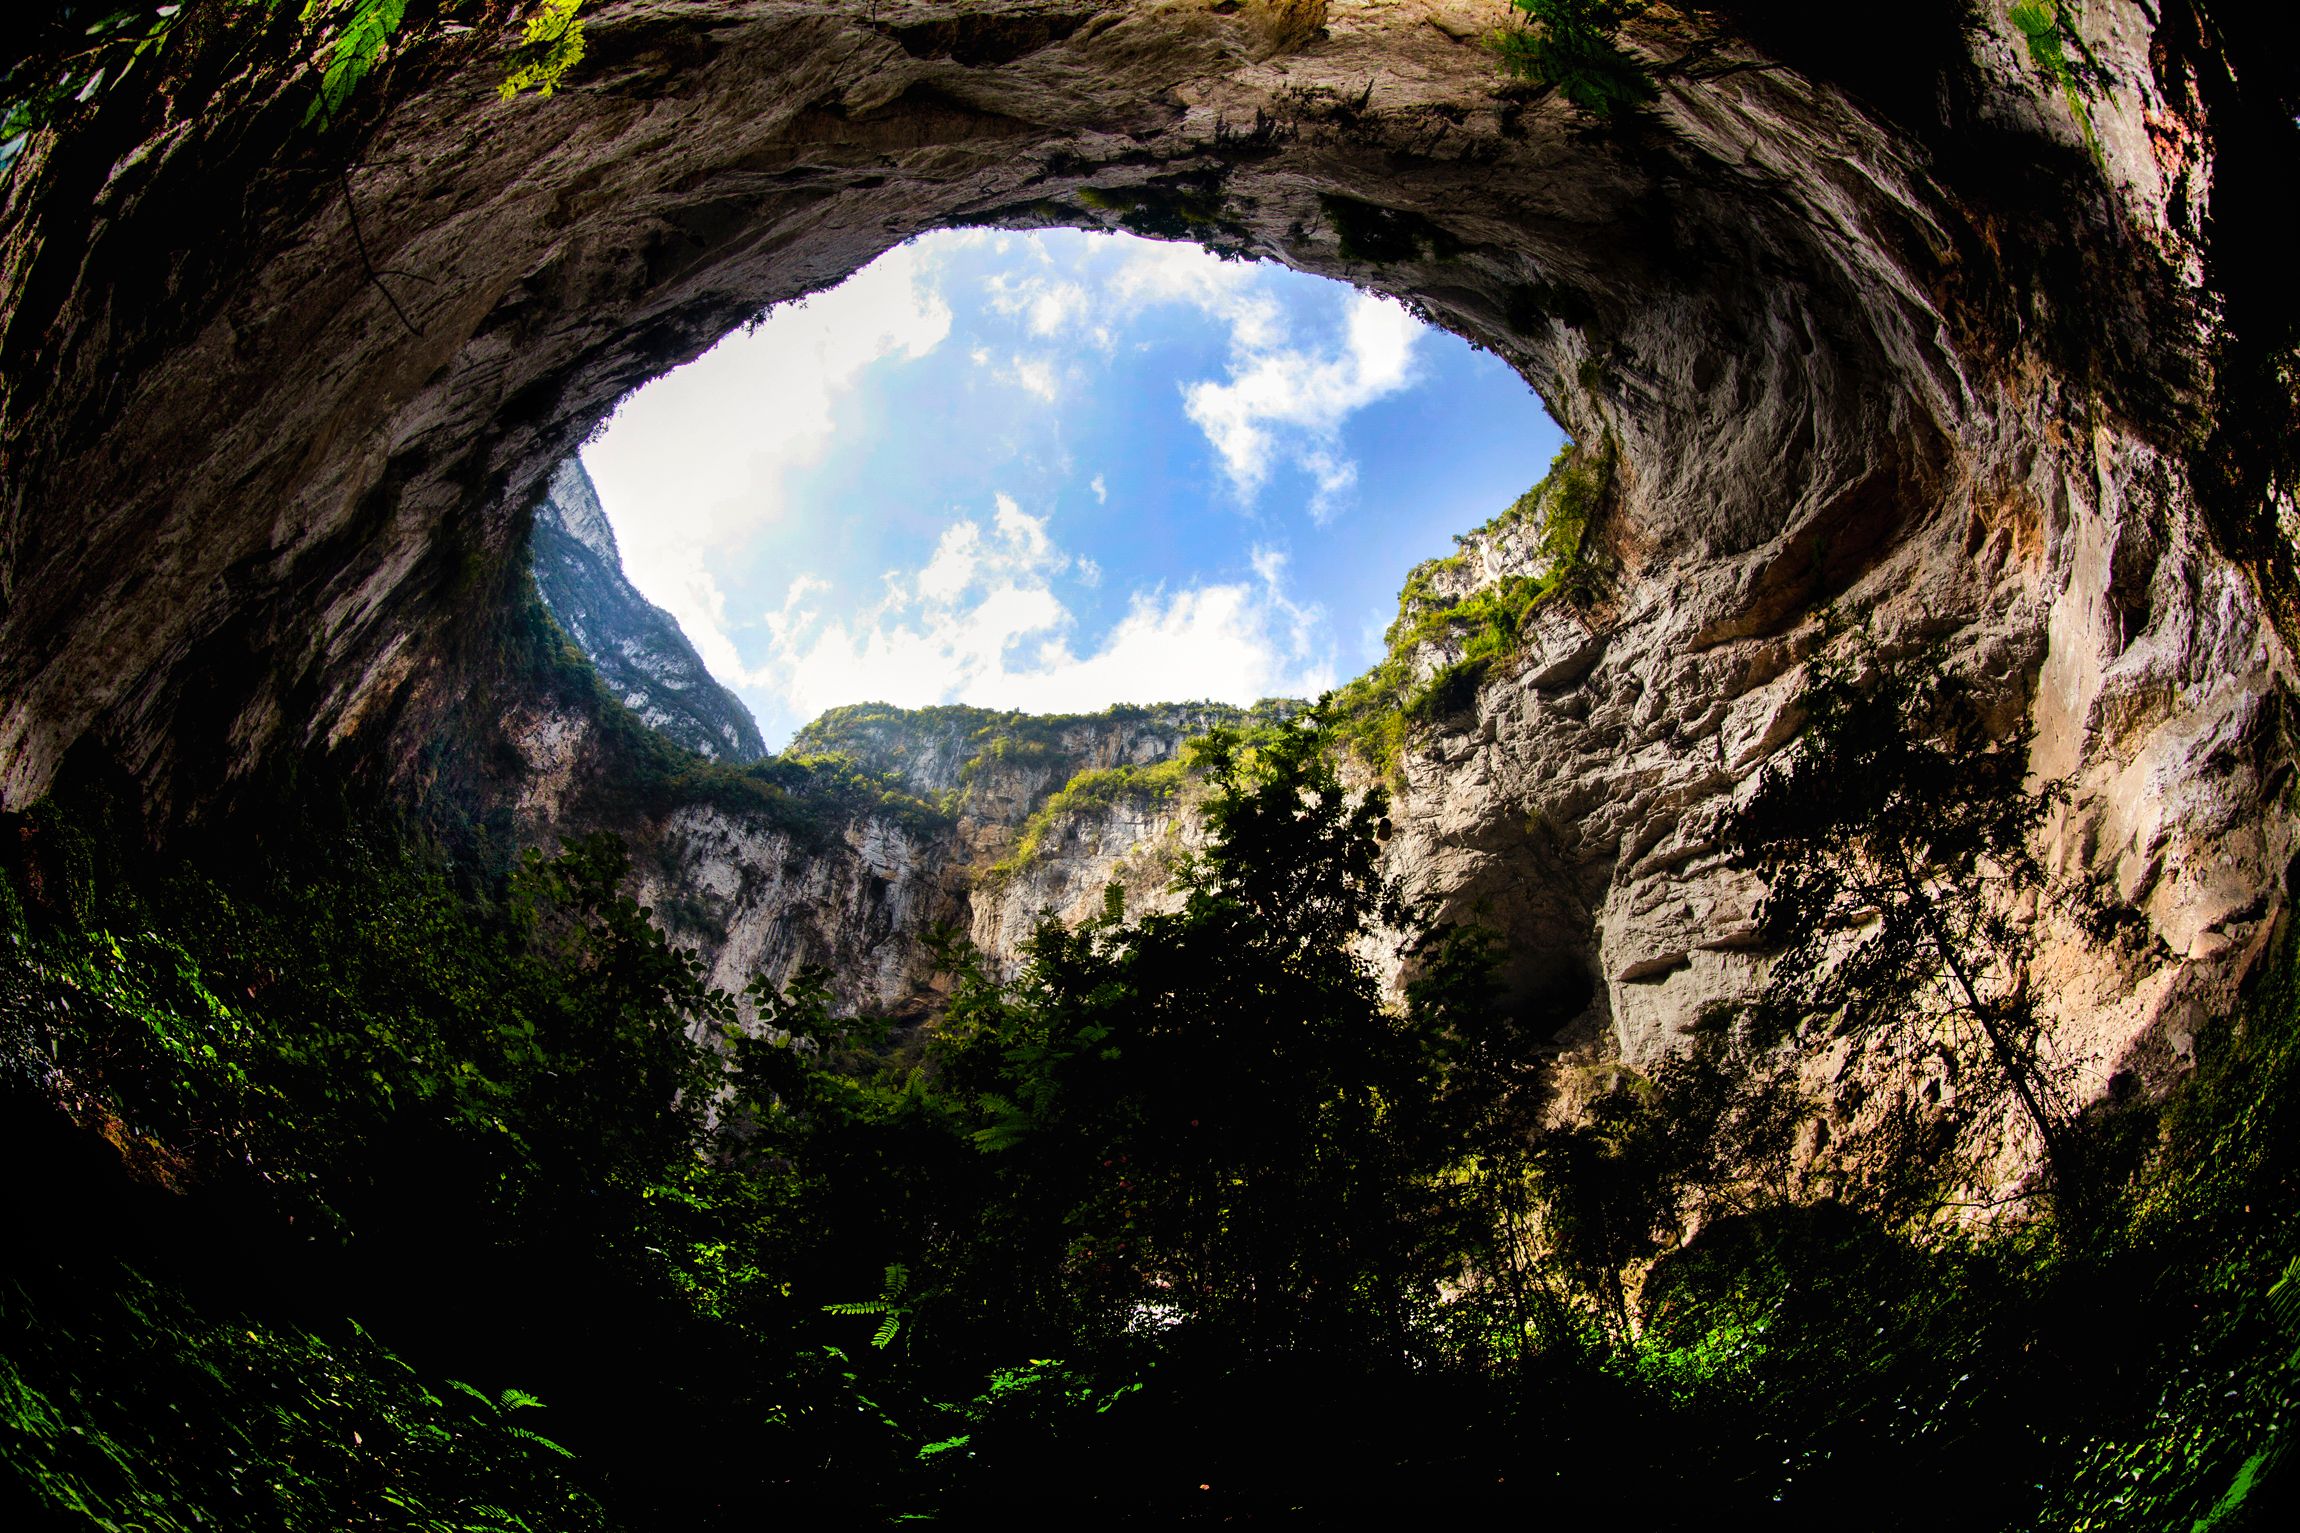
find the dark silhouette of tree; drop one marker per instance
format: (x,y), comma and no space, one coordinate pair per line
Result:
(1895,848)
(1213,1114)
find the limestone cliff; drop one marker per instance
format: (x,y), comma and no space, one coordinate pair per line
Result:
(877,829)
(642,655)
(1900,325)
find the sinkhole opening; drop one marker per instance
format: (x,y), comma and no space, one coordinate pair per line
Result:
(1049,472)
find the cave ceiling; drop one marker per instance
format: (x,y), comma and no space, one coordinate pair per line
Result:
(279,397)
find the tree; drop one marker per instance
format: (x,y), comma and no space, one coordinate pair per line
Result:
(1212,1115)
(1894,845)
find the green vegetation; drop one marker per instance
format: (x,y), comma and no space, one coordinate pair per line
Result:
(1187,207)
(1570,48)
(142,1410)
(2045,26)
(551,45)
(1187,1222)
(1158,783)
(84,52)
(867,730)
(813,789)
(1381,235)
(1487,626)
(310,1072)
(1026,737)
(1895,852)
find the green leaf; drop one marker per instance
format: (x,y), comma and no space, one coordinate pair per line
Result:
(553,45)
(357,47)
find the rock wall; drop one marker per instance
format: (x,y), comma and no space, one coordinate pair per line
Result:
(640,651)
(878,828)
(1879,323)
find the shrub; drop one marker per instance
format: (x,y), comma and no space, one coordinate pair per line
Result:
(1571,49)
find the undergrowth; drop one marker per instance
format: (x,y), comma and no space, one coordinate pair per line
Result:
(326,1118)
(124,1404)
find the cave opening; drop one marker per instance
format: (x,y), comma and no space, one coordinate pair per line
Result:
(1047,472)
(368,972)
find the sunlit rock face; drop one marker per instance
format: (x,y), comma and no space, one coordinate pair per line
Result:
(1871,326)
(859,880)
(639,649)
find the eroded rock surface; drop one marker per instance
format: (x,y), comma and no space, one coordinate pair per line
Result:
(878,830)
(1886,327)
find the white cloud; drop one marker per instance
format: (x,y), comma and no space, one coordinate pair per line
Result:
(1025,536)
(980,623)
(1282,402)
(696,461)
(696,468)
(1302,619)
(1293,401)
(1046,307)
(1335,477)
(1229,291)
(1035,375)
(951,570)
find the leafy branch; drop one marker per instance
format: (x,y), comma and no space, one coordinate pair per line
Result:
(1894,847)
(1570,47)
(889,1305)
(553,44)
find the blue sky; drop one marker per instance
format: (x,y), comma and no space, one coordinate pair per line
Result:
(1055,471)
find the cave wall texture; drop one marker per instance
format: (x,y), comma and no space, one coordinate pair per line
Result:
(1866,318)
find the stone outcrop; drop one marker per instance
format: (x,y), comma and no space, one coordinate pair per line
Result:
(640,651)
(1880,325)
(879,828)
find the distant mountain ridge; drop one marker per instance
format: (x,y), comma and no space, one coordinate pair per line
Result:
(639,649)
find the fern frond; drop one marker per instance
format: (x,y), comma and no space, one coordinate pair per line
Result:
(539,1441)
(2284,1304)
(477,1394)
